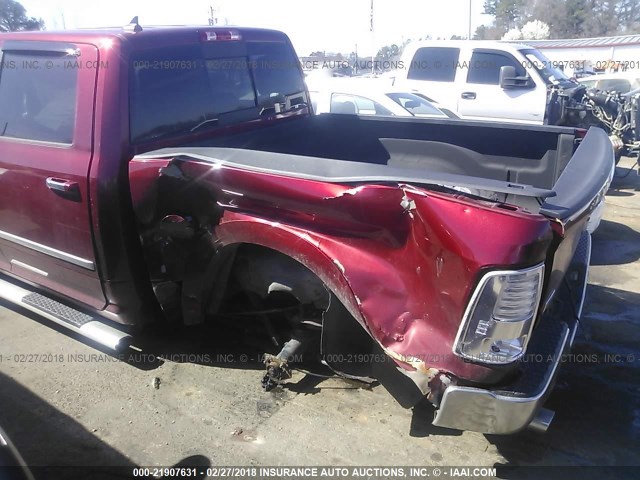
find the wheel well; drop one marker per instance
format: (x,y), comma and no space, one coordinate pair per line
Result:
(281,283)
(263,272)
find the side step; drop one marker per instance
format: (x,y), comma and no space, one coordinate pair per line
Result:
(74,320)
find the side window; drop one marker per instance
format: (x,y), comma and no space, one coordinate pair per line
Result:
(37,97)
(436,64)
(485,67)
(356,105)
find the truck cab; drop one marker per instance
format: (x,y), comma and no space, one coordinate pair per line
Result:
(77,106)
(482,80)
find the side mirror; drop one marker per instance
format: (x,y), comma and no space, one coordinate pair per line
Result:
(508,78)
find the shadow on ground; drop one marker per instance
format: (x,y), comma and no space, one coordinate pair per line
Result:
(597,396)
(625,178)
(55,446)
(615,244)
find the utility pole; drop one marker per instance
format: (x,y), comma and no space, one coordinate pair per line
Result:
(356,64)
(373,42)
(469,37)
(213,20)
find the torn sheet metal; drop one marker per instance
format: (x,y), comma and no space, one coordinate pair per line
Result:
(402,259)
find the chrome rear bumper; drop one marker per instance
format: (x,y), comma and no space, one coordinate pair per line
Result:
(503,411)
(510,409)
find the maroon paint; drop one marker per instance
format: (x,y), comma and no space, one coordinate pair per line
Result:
(406,276)
(32,211)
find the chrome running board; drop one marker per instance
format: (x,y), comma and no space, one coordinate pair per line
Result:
(76,321)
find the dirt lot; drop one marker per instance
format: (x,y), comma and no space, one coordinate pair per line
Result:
(62,406)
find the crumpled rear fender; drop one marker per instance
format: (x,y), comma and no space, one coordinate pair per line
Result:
(403,260)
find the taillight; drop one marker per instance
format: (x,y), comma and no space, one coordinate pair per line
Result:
(220,36)
(497,324)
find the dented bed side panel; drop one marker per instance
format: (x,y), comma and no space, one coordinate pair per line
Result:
(403,260)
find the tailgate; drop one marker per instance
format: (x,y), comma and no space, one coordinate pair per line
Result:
(579,190)
(582,182)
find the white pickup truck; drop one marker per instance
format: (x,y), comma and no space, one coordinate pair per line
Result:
(483,80)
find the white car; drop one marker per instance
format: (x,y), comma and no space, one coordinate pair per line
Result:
(370,97)
(620,82)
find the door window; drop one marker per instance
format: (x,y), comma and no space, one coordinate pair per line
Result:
(485,67)
(436,64)
(37,97)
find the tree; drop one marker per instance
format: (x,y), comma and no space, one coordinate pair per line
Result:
(629,14)
(602,18)
(565,18)
(484,32)
(575,15)
(534,30)
(513,34)
(13,18)
(508,13)
(388,52)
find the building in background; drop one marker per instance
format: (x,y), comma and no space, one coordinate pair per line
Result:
(599,55)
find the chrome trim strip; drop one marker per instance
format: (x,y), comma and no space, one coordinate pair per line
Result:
(29,267)
(584,290)
(586,276)
(52,252)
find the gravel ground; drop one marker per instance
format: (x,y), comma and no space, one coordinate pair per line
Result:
(73,404)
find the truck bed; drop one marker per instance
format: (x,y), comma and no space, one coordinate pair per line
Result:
(516,164)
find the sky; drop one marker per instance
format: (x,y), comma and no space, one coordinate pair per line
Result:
(329,25)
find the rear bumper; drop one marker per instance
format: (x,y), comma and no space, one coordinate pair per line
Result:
(510,409)
(506,411)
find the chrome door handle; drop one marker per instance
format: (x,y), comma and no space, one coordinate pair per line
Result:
(67,188)
(469,95)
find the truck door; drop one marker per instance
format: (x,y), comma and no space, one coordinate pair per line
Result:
(482,97)
(47,92)
(432,72)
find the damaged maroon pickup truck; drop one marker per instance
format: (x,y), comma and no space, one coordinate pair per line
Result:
(176,174)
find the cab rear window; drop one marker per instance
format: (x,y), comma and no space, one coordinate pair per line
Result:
(177,90)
